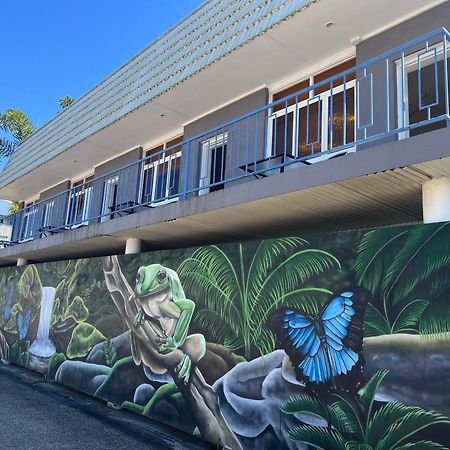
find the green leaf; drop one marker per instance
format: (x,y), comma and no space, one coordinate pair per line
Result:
(318,437)
(435,320)
(347,418)
(409,316)
(368,392)
(375,252)
(303,404)
(84,337)
(422,445)
(375,323)
(415,420)
(426,250)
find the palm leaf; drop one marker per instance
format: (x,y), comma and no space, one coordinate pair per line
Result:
(375,252)
(347,420)
(304,404)
(409,316)
(7,147)
(422,445)
(266,257)
(375,323)
(426,250)
(318,437)
(435,320)
(368,392)
(292,272)
(415,420)
(264,340)
(220,329)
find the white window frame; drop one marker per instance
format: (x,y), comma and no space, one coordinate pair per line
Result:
(323,97)
(108,193)
(87,192)
(411,64)
(48,211)
(29,217)
(155,165)
(217,141)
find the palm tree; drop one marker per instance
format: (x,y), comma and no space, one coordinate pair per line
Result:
(65,102)
(407,270)
(357,424)
(234,299)
(18,125)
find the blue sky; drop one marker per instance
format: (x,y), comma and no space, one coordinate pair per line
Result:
(53,48)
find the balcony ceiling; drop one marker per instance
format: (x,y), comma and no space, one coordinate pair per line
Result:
(290,47)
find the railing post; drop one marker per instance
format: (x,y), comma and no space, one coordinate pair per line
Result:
(187,160)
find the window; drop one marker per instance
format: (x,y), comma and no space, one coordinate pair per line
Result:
(213,163)
(79,203)
(28,223)
(161,173)
(109,198)
(317,121)
(48,214)
(423,88)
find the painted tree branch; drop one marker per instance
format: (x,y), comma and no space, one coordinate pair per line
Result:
(4,348)
(198,394)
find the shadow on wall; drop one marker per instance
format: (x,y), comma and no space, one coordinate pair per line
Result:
(283,343)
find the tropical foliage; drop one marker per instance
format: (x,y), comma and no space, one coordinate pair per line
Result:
(16,124)
(65,102)
(407,271)
(235,297)
(359,424)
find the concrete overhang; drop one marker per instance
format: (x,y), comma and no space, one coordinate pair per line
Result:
(235,75)
(377,186)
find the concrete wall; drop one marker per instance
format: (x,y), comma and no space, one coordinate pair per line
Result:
(226,370)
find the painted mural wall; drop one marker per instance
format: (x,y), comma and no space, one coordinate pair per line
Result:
(338,341)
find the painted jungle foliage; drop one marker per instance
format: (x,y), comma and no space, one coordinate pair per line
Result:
(338,341)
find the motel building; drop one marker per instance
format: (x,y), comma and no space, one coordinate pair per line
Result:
(248,121)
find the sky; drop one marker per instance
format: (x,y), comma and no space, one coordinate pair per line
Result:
(54,48)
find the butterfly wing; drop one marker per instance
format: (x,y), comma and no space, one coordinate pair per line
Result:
(298,335)
(329,346)
(20,324)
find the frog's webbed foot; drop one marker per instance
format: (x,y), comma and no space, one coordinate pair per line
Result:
(184,369)
(139,318)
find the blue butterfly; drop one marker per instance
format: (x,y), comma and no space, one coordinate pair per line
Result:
(23,323)
(328,346)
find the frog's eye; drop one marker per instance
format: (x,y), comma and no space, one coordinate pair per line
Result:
(138,278)
(161,277)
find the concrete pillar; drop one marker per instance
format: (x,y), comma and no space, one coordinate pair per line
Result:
(21,262)
(436,200)
(133,246)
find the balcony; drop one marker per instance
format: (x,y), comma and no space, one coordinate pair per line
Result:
(397,95)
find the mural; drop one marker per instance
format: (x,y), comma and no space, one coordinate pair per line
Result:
(337,341)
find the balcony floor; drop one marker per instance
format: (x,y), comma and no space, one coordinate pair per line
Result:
(373,187)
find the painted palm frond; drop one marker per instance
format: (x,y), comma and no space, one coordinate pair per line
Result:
(407,270)
(375,253)
(435,320)
(426,250)
(319,438)
(244,291)
(354,423)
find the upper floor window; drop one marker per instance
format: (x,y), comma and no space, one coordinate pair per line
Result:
(213,163)
(79,203)
(161,173)
(421,81)
(316,121)
(29,222)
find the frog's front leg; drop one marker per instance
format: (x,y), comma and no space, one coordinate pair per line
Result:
(184,369)
(139,318)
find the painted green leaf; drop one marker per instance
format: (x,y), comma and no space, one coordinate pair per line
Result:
(77,309)
(84,337)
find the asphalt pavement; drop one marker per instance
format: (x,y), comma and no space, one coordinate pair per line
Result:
(38,415)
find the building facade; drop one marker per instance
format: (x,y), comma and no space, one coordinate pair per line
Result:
(246,127)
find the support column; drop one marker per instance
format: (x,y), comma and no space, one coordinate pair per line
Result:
(133,246)
(21,262)
(436,200)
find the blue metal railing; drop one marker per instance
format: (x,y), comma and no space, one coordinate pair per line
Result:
(400,93)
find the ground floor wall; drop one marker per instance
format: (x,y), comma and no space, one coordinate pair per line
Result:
(291,343)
